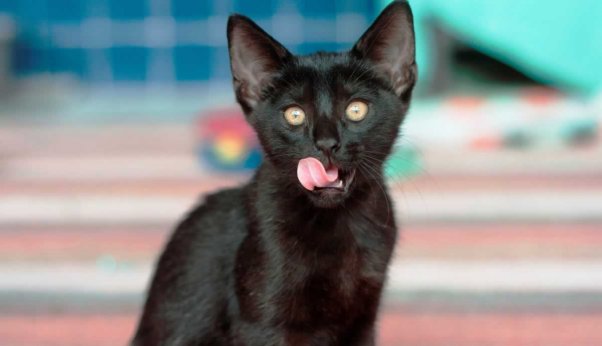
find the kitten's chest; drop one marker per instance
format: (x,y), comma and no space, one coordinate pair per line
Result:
(331,281)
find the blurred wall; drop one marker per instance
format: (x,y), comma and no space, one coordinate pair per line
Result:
(166,41)
(556,42)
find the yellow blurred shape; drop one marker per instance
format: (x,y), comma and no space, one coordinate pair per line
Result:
(229,148)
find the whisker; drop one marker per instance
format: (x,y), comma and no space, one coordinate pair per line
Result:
(367,170)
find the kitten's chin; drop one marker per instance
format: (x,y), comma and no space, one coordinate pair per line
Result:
(327,198)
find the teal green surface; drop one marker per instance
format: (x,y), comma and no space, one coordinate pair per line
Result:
(554,41)
(403,163)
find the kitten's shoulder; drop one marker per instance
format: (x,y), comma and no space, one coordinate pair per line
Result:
(222,199)
(222,209)
(212,229)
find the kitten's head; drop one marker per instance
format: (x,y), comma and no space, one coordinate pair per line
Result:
(326,121)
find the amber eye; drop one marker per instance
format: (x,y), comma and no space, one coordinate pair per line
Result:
(356,111)
(294,115)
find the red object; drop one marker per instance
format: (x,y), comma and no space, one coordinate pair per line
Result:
(540,96)
(225,120)
(486,142)
(466,102)
(396,327)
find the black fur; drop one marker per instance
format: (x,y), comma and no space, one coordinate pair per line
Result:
(271,263)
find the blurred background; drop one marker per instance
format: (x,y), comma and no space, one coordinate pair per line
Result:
(117,115)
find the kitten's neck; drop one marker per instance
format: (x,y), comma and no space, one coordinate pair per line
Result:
(284,216)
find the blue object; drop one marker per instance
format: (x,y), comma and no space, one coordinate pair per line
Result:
(250,161)
(168,41)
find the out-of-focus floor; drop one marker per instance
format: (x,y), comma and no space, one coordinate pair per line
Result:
(496,248)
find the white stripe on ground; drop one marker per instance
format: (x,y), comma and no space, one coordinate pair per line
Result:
(501,205)
(72,277)
(98,168)
(91,209)
(407,275)
(496,275)
(546,161)
(540,205)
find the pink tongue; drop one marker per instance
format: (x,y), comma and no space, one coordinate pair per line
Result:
(311,174)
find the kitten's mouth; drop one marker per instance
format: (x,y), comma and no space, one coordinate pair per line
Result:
(342,183)
(313,176)
(327,186)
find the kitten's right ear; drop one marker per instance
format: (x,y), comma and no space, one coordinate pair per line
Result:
(389,44)
(255,58)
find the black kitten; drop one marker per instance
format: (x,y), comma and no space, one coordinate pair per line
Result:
(299,255)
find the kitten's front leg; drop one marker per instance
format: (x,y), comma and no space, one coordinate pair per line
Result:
(252,335)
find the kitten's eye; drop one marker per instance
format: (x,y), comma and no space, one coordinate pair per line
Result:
(294,115)
(356,111)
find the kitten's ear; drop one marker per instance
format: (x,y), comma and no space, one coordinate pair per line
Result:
(389,44)
(255,58)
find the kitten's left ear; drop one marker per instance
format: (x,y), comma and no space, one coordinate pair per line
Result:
(255,58)
(389,44)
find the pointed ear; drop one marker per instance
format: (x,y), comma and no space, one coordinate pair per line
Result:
(389,44)
(255,58)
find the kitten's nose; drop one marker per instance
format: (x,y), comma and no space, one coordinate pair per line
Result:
(328,145)
(326,136)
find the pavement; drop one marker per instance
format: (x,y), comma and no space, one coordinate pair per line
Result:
(496,248)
